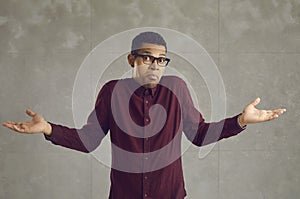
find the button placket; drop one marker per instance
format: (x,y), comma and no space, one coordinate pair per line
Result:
(146,147)
(146,121)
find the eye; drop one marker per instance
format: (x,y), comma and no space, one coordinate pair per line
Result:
(146,58)
(161,60)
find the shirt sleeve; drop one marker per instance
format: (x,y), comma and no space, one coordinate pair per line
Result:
(200,132)
(89,137)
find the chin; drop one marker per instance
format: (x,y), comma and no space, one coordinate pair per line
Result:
(155,82)
(150,84)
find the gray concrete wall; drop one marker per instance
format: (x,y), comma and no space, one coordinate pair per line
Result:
(256,45)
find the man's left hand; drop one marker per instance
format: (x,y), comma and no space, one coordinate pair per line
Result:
(253,115)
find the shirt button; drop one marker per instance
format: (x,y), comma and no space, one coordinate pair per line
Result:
(146,158)
(147,119)
(147,101)
(146,195)
(146,177)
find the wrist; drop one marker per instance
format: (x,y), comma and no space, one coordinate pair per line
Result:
(241,120)
(48,129)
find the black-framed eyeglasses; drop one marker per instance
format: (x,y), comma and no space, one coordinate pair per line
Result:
(148,59)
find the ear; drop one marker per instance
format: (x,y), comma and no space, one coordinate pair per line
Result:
(130,59)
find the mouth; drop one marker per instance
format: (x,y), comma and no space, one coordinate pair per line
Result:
(152,77)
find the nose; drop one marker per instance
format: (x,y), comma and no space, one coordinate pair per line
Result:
(154,65)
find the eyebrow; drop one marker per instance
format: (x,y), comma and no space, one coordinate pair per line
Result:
(148,52)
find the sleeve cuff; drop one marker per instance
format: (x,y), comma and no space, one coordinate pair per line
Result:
(54,134)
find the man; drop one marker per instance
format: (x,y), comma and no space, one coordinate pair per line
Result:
(145,115)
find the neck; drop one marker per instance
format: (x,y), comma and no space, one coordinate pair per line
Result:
(145,85)
(149,85)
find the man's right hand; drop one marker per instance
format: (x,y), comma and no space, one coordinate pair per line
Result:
(36,125)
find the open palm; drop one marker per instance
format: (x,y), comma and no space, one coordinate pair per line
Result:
(36,125)
(253,115)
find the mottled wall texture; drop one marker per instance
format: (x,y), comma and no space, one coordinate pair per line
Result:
(255,44)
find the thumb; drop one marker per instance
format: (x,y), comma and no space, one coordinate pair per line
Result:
(30,113)
(256,101)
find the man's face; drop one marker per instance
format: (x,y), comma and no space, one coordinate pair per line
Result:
(147,75)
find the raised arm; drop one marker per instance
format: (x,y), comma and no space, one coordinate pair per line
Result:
(85,139)
(202,133)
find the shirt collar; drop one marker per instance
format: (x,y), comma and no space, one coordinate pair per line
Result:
(141,90)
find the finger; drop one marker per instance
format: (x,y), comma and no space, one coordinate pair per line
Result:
(277,111)
(19,129)
(5,123)
(269,117)
(255,102)
(274,115)
(11,127)
(15,126)
(30,113)
(8,124)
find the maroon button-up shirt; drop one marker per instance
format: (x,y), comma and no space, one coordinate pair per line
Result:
(145,128)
